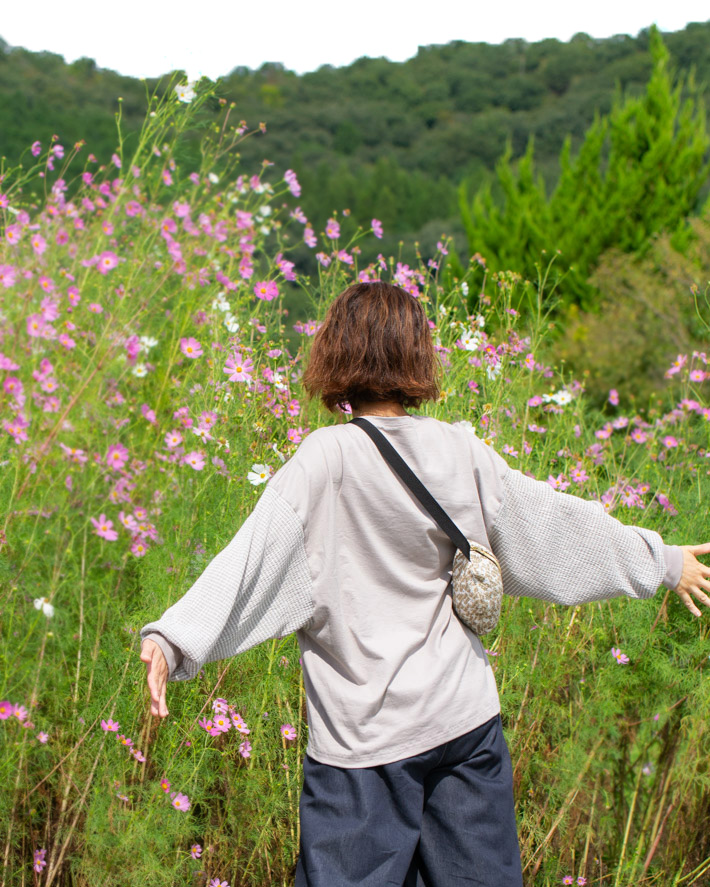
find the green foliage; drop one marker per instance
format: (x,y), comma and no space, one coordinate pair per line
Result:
(646,316)
(638,171)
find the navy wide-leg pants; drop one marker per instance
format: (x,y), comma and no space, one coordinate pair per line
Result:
(442,818)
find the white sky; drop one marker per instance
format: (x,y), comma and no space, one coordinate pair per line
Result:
(146,38)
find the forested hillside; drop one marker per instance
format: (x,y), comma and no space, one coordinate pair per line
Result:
(382,138)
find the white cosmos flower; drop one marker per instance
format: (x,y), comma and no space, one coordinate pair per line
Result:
(264,211)
(279,382)
(231,324)
(470,340)
(139,370)
(213,177)
(265,230)
(259,474)
(186,91)
(464,288)
(42,603)
(562,397)
(147,342)
(493,372)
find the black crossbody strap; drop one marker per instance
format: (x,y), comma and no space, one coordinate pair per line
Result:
(409,478)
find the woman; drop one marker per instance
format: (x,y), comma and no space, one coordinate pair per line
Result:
(407,777)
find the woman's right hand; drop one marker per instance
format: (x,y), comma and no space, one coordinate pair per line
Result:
(153,656)
(695,578)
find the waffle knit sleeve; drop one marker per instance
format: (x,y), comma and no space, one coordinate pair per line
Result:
(258,587)
(565,549)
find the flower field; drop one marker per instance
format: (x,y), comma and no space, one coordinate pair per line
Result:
(149,386)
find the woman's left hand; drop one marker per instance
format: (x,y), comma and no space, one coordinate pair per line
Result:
(695,578)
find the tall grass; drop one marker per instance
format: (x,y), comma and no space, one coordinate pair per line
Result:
(150,376)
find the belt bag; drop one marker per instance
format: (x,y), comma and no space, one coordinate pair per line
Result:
(477,582)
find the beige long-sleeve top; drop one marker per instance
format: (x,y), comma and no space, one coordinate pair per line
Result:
(338,550)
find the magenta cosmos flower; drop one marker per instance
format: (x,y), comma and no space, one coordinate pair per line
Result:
(266,290)
(620,657)
(107,261)
(104,527)
(109,726)
(288,731)
(239,368)
(6,709)
(191,347)
(180,801)
(38,860)
(116,456)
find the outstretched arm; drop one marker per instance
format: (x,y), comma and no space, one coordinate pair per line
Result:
(256,588)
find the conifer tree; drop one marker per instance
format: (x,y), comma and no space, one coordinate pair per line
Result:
(639,171)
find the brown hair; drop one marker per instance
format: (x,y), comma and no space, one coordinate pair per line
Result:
(374,345)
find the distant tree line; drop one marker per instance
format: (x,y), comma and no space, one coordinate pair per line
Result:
(380,138)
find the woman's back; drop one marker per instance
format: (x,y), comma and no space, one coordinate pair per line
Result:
(389,669)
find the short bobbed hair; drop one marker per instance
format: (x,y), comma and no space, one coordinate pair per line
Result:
(374,345)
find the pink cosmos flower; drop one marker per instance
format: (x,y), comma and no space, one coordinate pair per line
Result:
(38,860)
(191,348)
(104,528)
(220,706)
(323,259)
(239,724)
(195,851)
(621,658)
(245,749)
(222,723)
(665,504)
(614,401)
(109,726)
(138,755)
(215,882)
(292,182)
(195,460)
(107,261)
(124,740)
(116,456)
(13,233)
(581,881)
(309,237)
(238,368)
(377,229)
(173,439)
(332,229)
(579,475)
(43,737)
(558,483)
(6,709)
(288,731)
(39,244)
(180,801)
(670,441)
(165,785)
(36,149)
(7,276)
(568,879)
(266,289)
